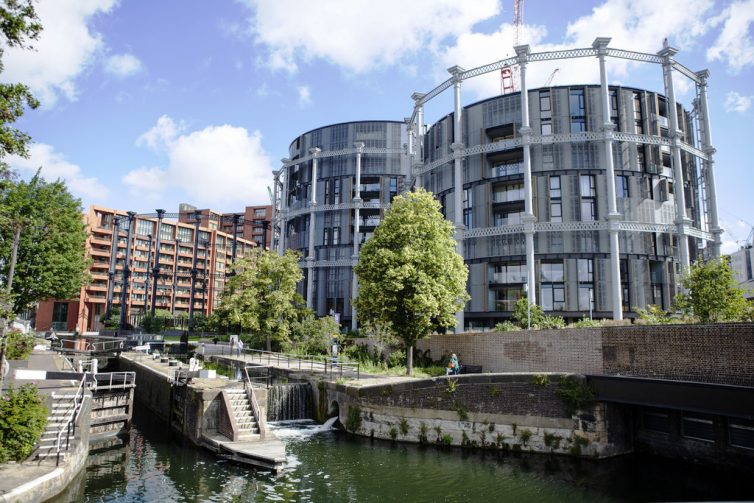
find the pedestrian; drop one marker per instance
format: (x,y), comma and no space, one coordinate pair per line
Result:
(334,350)
(240,346)
(453,365)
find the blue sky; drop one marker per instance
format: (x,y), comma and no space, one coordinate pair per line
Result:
(148,104)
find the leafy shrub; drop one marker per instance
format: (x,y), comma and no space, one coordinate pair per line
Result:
(19,346)
(423,430)
(586,323)
(551,322)
(552,440)
(393,432)
(506,326)
(446,439)
(575,394)
(397,358)
(312,335)
(353,420)
(404,426)
(524,435)
(521,312)
(653,315)
(540,380)
(23,417)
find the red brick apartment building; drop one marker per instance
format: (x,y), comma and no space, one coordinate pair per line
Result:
(214,256)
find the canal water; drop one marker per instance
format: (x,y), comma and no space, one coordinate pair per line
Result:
(330,466)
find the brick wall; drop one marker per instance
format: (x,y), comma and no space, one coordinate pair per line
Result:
(515,394)
(719,353)
(569,351)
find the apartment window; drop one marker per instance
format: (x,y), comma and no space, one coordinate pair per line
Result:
(638,115)
(641,163)
(556,205)
(625,286)
(614,107)
(548,159)
(546,127)
(186,234)
(260,212)
(586,283)
(553,288)
(468,217)
(588,198)
(578,110)
(393,187)
(166,232)
(507,168)
(621,186)
(60,313)
(144,227)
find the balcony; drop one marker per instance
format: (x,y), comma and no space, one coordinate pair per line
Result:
(503,278)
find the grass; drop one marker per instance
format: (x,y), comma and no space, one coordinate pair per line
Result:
(177,338)
(431,371)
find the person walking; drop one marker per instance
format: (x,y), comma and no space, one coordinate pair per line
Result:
(453,365)
(240,346)
(334,350)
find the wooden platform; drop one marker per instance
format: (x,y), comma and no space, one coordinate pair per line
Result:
(267,454)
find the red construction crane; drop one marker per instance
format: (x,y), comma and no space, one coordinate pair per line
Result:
(510,76)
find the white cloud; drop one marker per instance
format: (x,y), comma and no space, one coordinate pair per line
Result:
(162,134)
(123,65)
(735,102)
(218,166)
(304,96)
(54,166)
(147,183)
(734,45)
(359,35)
(66,47)
(639,25)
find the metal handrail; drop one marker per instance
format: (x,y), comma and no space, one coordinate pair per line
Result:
(261,422)
(324,362)
(126,380)
(70,423)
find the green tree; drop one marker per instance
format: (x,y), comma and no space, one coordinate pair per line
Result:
(712,293)
(260,296)
(23,417)
(410,275)
(312,335)
(19,25)
(45,221)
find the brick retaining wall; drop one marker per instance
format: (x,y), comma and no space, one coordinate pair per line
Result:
(719,353)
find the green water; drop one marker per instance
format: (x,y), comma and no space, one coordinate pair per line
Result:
(331,466)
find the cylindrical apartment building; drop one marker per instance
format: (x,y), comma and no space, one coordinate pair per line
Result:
(570,200)
(587,199)
(330,195)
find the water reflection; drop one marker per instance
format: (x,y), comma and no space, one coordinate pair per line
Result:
(328,466)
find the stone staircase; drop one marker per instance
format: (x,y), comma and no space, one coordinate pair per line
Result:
(60,412)
(248,429)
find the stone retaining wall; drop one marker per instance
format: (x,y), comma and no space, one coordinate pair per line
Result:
(505,412)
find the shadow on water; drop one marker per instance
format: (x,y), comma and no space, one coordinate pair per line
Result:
(326,465)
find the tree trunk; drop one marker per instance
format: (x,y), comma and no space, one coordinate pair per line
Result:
(268,342)
(410,361)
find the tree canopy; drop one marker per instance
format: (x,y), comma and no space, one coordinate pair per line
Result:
(47,220)
(260,296)
(712,293)
(19,25)
(410,275)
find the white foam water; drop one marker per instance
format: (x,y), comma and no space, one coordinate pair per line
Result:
(300,429)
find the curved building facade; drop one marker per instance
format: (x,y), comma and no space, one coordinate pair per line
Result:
(587,199)
(330,195)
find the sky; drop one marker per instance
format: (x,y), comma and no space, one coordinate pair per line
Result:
(147,104)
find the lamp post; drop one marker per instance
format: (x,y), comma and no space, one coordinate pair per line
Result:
(528,306)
